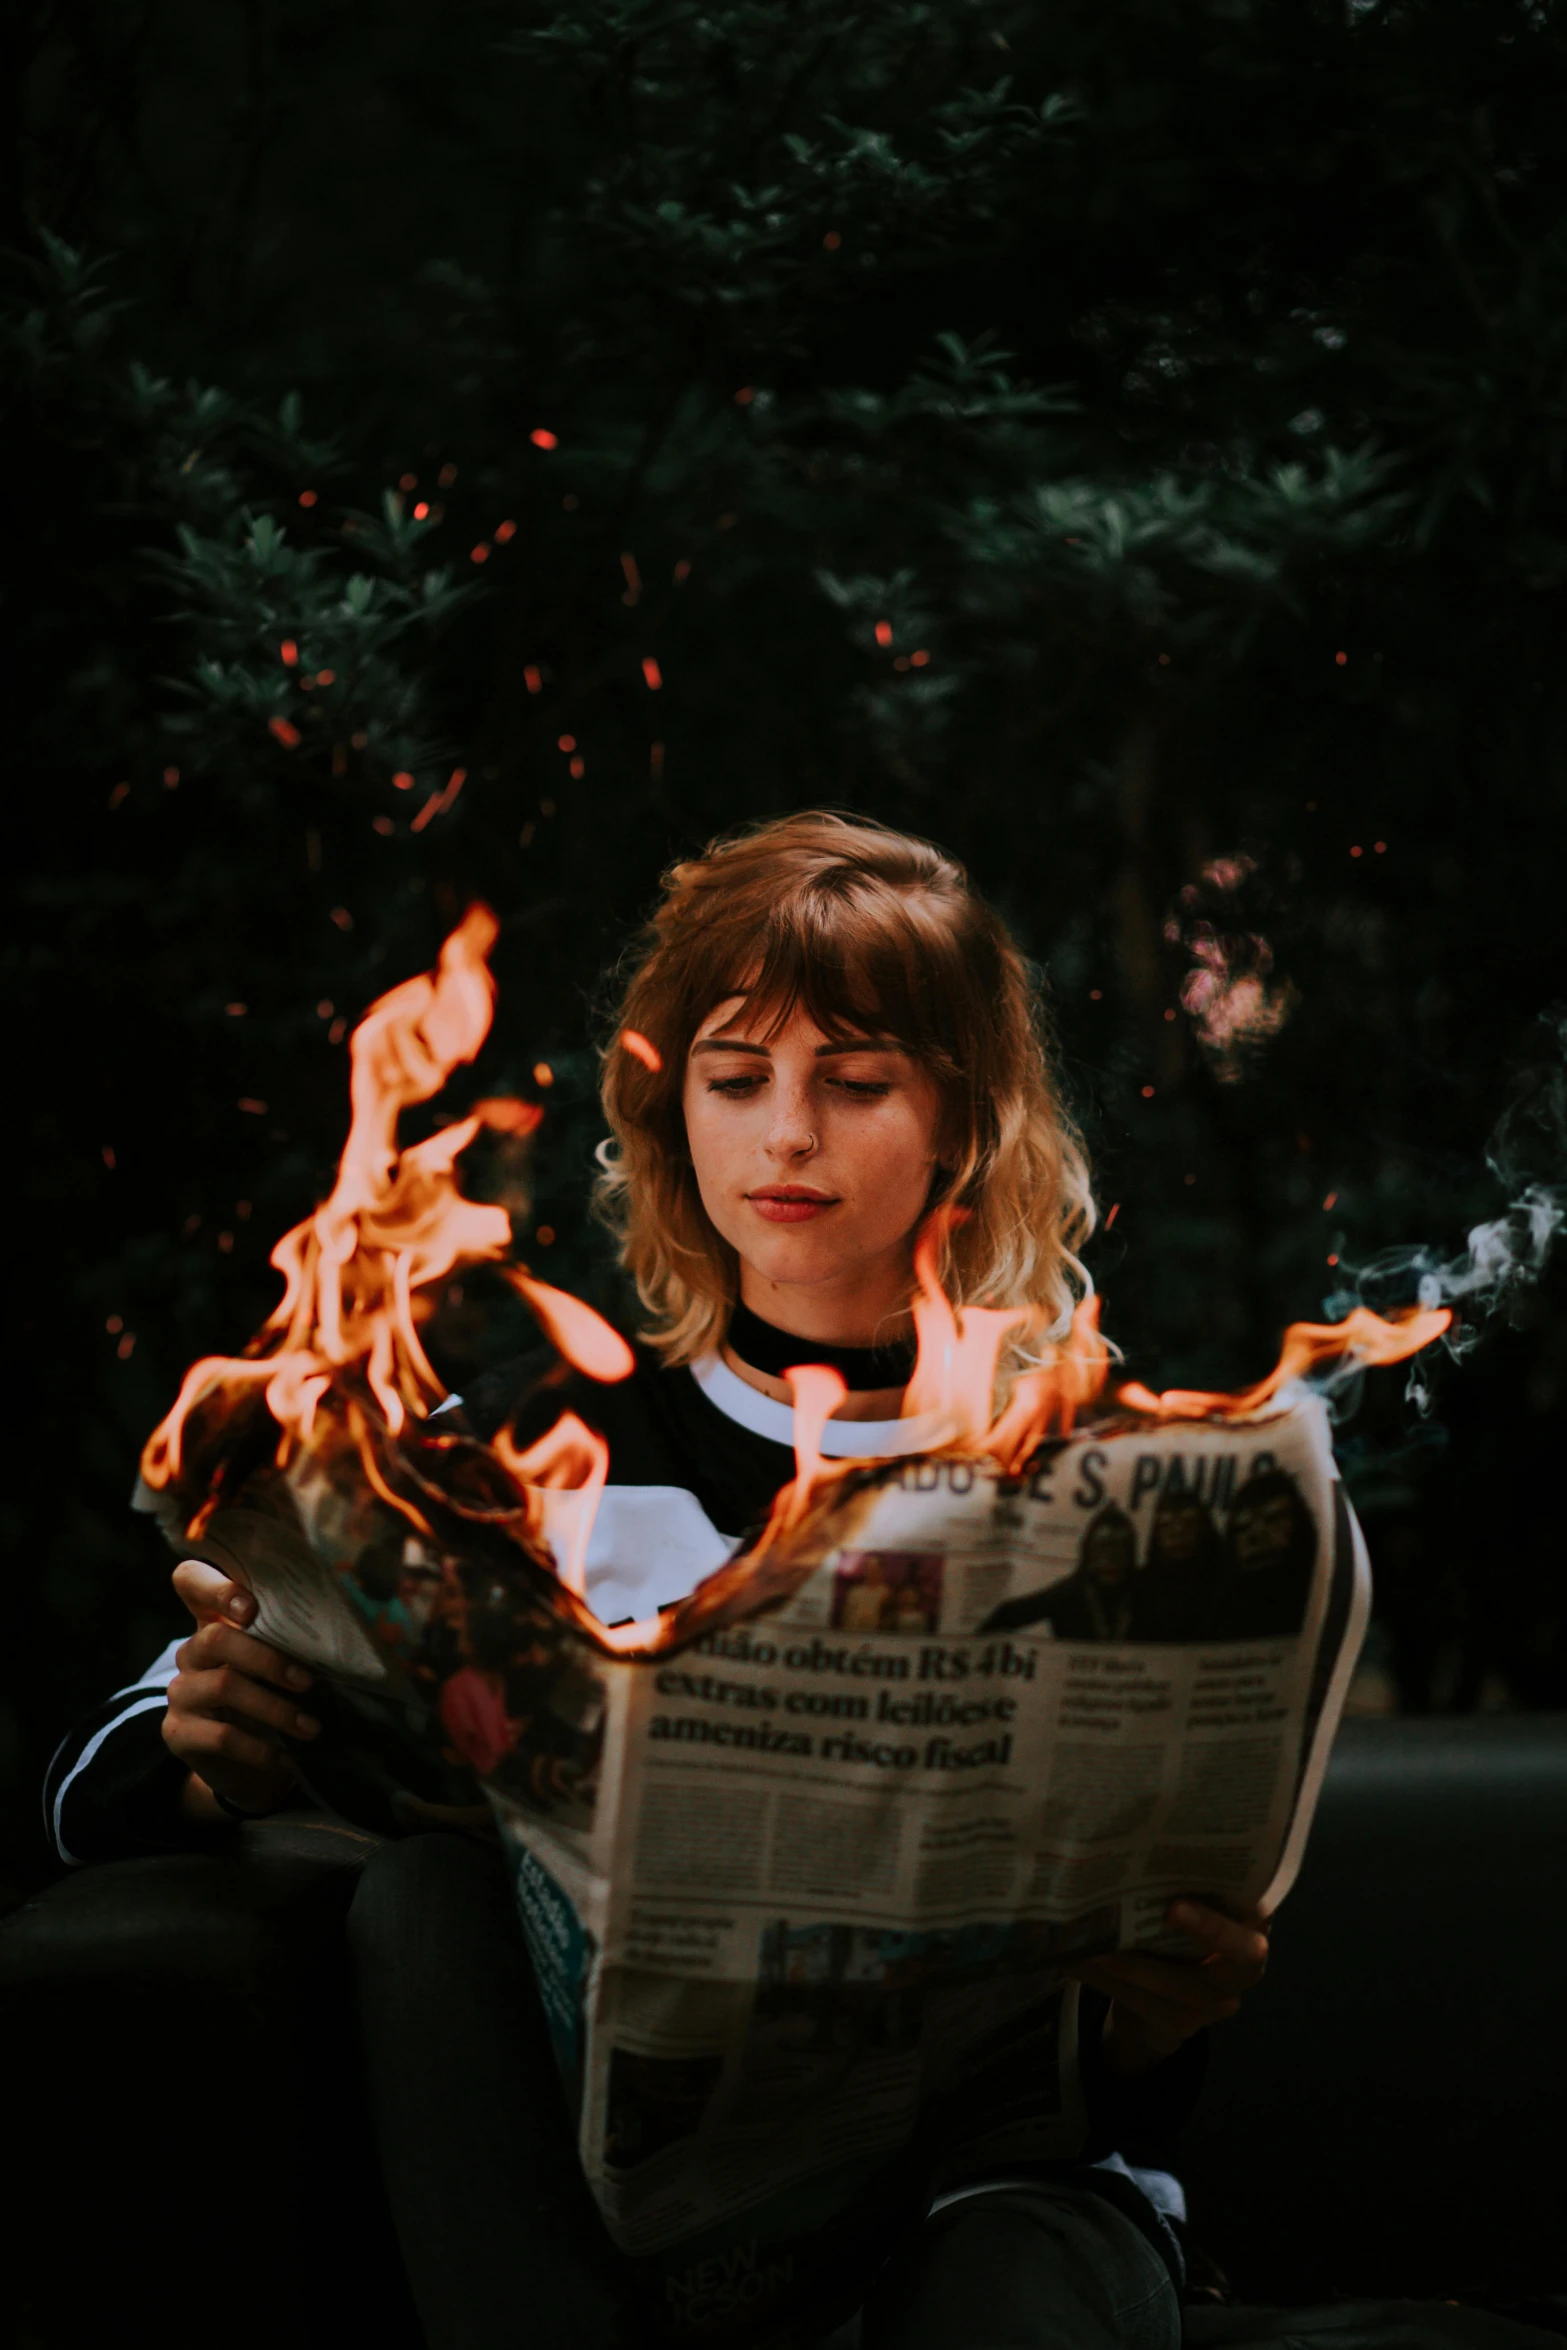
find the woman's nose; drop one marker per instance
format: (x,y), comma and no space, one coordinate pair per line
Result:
(789,1135)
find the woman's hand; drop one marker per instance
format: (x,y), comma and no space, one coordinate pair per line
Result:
(1157,2003)
(230,1700)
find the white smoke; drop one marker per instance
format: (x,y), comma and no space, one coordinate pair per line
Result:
(1235,1004)
(1503,1258)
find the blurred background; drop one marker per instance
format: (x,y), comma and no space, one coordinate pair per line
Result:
(490,450)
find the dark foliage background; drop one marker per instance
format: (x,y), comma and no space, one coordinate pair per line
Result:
(1110,440)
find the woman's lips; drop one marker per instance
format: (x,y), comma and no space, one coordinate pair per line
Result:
(788,1206)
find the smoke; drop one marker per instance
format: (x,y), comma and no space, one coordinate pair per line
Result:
(1235,1004)
(1503,1258)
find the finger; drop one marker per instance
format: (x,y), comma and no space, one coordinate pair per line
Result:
(227,1694)
(1170,2022)
(1185,1979)
(1207,1918)
(220,1644)
(224,1695)
(203,1743)
(1170,1980)
(207,1592)
(1177,2018)
(1241,1942)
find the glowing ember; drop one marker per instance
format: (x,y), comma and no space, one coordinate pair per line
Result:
(581,1335)
(641,1050)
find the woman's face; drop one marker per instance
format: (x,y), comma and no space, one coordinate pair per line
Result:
(814,1160)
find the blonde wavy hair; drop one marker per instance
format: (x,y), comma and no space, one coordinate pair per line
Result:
(871,932)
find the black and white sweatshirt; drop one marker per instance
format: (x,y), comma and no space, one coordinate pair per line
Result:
(696,1456)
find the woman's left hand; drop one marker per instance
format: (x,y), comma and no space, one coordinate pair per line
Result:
(1157,2003)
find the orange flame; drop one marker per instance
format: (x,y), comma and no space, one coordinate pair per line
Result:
(1047,1398)
(959,1355)
(959,1350)
(394,1225)
(1366,1337)
(817,1393)
(571,1460)
(955,1368)
(573,1329)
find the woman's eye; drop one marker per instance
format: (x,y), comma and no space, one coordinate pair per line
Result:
(735,1087)
(864,1088)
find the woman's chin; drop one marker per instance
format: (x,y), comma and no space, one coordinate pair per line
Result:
(796,1257)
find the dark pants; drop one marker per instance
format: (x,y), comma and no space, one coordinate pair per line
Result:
(187,2154)
(503,2244)
(189,2150)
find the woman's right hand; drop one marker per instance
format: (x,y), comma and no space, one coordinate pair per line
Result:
(231,1699)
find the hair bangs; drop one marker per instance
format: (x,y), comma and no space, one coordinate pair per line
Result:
(852,958)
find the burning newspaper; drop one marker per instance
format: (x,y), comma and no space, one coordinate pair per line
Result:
(800,1859)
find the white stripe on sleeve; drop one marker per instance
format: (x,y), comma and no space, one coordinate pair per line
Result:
(143,1705)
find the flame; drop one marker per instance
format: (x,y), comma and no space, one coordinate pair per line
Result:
(1366,1337)
(575,1330)
(959,1353)
(955,1368)
(342,1371)
(359,1430)
(162,1457)
(572,1460)
(394,1225)
(817,1392)
(958,1356)
(1046,1399)
(953,1386)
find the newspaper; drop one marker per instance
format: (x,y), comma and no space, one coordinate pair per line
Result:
(800,1879)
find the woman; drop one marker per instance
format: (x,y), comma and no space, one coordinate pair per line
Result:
(841,1039)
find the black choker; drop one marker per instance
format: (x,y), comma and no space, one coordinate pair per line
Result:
(775,1351)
